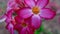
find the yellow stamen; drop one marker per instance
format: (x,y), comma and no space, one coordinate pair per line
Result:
(35,10)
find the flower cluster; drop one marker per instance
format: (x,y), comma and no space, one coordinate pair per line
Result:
(29,14)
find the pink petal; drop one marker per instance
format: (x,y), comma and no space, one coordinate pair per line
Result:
(9,16)
(36,21)
(9,13)
(17,22)
(30,30)
(23,31)
(42,3)
(30,3)
(25,13)
(10,28)
(47,13)
(12,5)
(18,27)
(18,19)
(2,18)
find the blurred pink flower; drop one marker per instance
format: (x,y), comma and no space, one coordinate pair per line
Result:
(12,6)
(37,10)
(23,25)
(11,25)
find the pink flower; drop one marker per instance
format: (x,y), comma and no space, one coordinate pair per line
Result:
(23,22)
(23,26)
(37,10)
(12,7)
(20,25)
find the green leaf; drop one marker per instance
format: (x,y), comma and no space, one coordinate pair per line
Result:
(41,29)
(36,32)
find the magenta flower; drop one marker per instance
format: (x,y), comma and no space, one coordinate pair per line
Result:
(28,19)
(12,7)
(20,25)
(23,26)
(37,10)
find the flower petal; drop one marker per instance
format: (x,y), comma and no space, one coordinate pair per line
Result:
(30,3)
(12,5)
(18,27)
(10,28)
(2,18)
(9,16)
(47,13)
(42,3)
(36,21)
(25,13)
(18,19)
(23,31)
(30,30)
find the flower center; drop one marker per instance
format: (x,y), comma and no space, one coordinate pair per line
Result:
(35,10)
(23,24)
